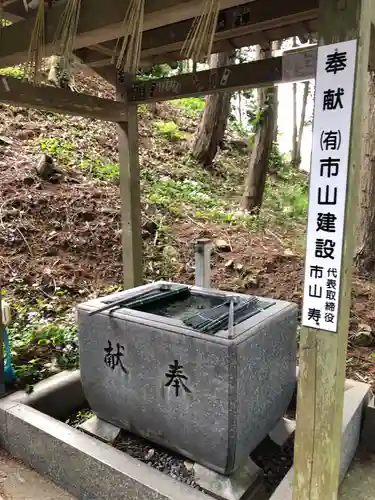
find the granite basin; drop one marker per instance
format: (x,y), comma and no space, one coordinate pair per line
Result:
(212,397)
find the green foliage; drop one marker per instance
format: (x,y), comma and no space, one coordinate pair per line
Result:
(157,71)
(278,161)
(43,339)
(101,170)
(59,149)
(192,105)
(287,195)
(142,109)
(181,195)
(207,195)
(13,71)
(238,128)
(170,131)
(80,417)
(66,154)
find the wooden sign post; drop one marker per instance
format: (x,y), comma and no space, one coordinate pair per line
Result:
(340,107)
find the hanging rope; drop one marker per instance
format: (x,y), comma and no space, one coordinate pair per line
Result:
(2,20)
(198,44)
(130,52)
(66,33)
(36,47)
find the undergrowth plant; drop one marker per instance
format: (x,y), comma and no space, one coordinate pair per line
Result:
(170,131)
(43,338)
(66,154)
(193,106)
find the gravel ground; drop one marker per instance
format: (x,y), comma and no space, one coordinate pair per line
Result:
(273,459)
(158,457)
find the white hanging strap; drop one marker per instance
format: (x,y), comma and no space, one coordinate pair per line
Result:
(5,313)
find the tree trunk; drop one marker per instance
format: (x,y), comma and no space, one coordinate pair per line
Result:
(240,107)
(365,254)
(295,134)
(276,47)
(259,158)
(212,128)
(302,123)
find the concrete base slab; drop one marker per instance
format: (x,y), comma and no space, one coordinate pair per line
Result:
(231,487)
(100,429)
(58,396)
(282,431)
(90,469)
(356,398)
(82,465)
(359,483)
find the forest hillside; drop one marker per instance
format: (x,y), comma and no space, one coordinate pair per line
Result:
(61,227)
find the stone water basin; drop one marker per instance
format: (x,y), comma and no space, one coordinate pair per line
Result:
(184,368)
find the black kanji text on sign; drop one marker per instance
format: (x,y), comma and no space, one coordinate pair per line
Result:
(330,196)
(332,99)
(324,248)
(113,357)
(336,62)
(177,378)
(330,141)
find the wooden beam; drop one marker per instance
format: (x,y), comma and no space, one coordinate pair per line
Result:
(323,353)
(253,20)
(15,11)
(227,79)
(19,93)
(130,198)
(166,54)
(96,26)
(253,17)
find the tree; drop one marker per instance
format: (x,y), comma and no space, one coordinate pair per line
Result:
(299,128)
(213,124)
(306,90)
(365,253)
(276,48)
(295,128)
(259,158)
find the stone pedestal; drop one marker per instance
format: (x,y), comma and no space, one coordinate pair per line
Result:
(246,478)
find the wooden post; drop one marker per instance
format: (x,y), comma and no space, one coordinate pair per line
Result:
(130,197)
(323,353)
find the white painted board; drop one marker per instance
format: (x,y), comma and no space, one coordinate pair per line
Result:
(334,94)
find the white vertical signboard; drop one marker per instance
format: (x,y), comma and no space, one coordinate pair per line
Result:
(334,94)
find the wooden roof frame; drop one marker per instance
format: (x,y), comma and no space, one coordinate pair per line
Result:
(167,23)
(322,355)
